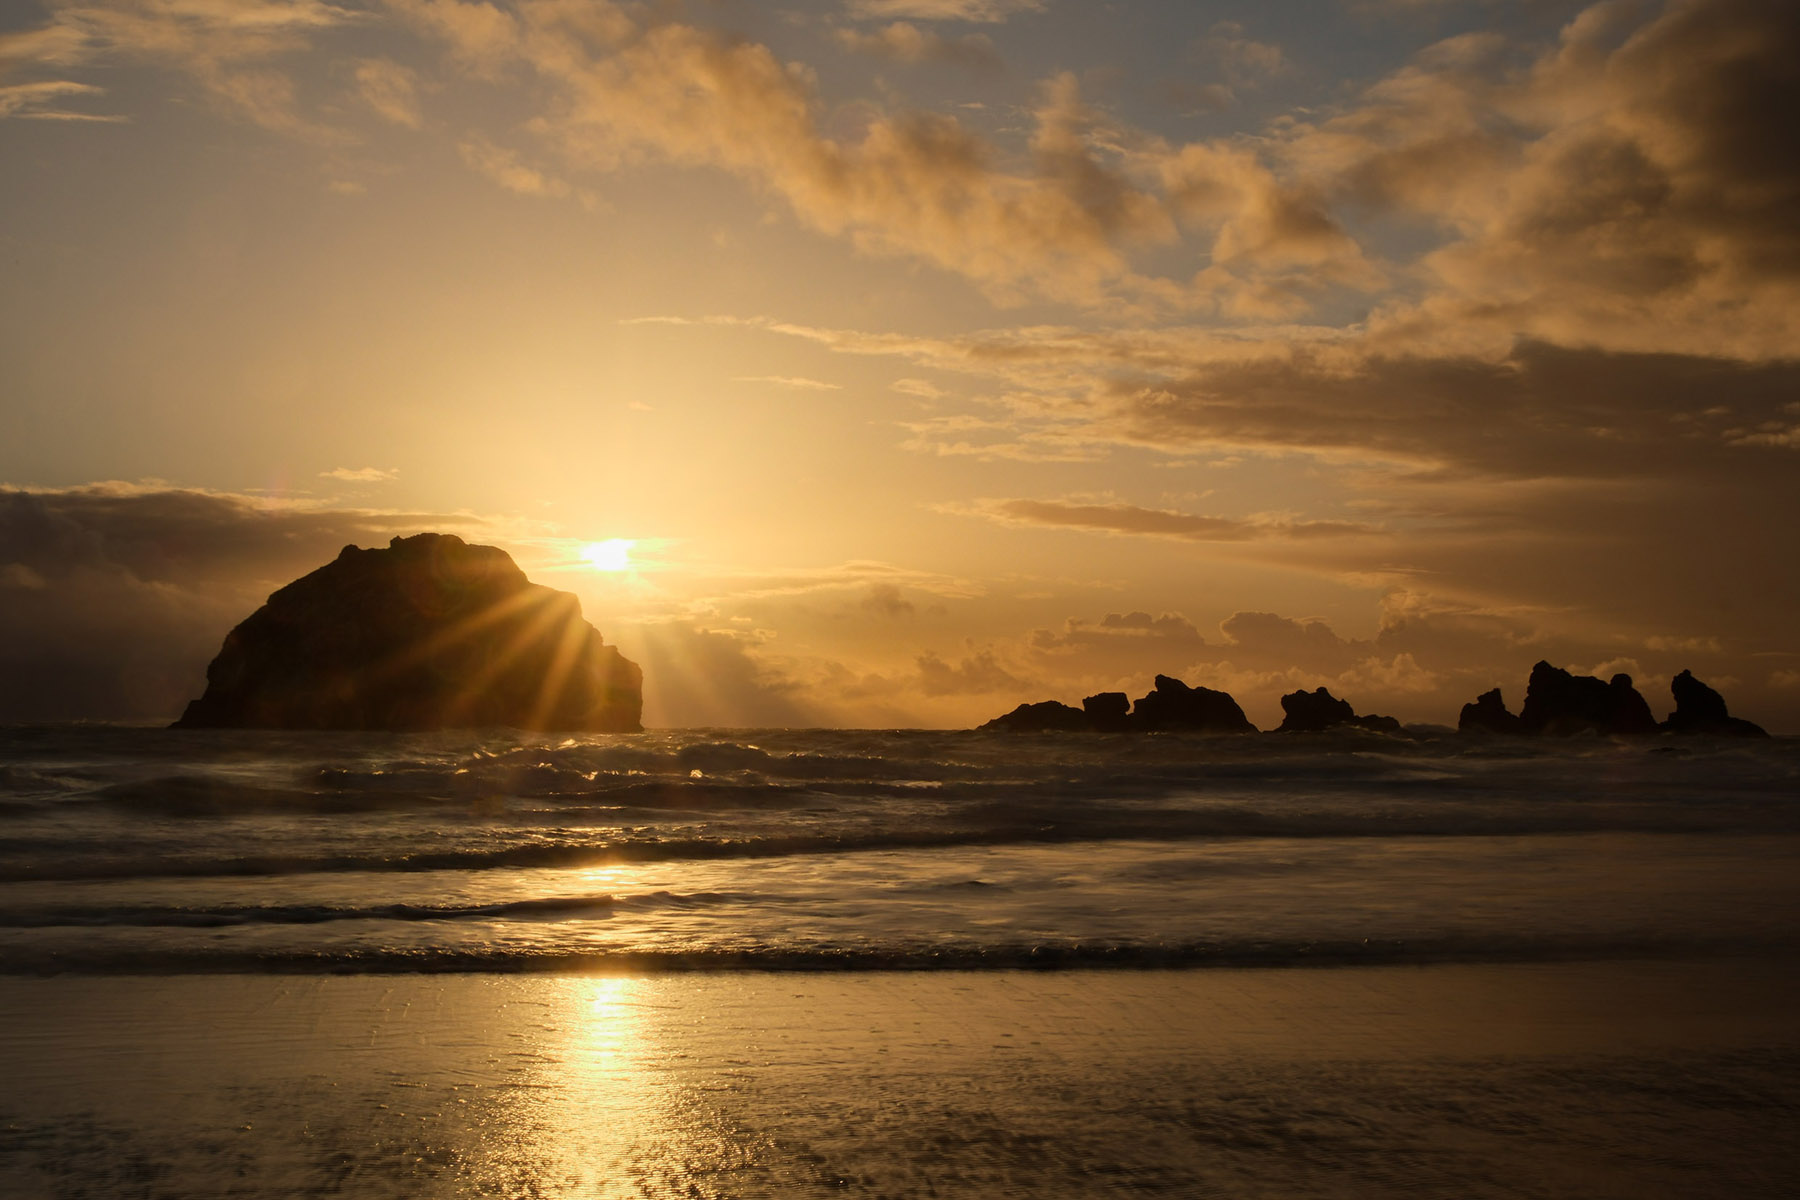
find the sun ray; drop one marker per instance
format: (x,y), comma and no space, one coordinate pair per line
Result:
(555,680)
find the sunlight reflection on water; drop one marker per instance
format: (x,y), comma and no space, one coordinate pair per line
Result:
(1304,1083)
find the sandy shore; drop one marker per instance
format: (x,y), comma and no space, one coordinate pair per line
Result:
(1625,1079)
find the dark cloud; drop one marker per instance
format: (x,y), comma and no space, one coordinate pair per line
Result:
(114,599)
(975,674)
(886,600)
(1425,661)
(1541,411)
(704,677)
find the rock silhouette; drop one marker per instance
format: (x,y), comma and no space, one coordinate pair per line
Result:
(1108,711)
(1488,714)
(1172,705)
(430,633)
(1038,718)
(1561,704)
(1319,710)
(1699,709)
(1175,705)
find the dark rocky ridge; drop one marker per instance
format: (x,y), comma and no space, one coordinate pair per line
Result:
(1558,703)
(430,633)
(1171,705)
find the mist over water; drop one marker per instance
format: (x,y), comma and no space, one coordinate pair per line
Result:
(134,849)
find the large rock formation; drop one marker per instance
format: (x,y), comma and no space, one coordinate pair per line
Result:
(1557,702)
(1318,710)
(430,633)
(1699,709)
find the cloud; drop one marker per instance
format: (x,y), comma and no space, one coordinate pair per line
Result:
(42,101)
(695,676)
(504,167)
(901,42)
(944,10)
(360,474)
(980,673)
(1245,61)
(887,600)
(114,597)
(923,389)
(790,381)
(1428,658)
(916,183)
(391,90)
(229,47)
(1629,188)
(54,45)
(1156,522)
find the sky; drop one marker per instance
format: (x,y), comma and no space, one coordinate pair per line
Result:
(933,355)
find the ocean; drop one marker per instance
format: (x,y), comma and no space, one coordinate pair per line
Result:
(147,849)
(202,930)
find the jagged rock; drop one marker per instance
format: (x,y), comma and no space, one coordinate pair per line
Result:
(430,633)
(1488,715)
(1309,712)
(1037,718)
(1314,711)
(1109,712)
(1559,703)
(1699,709)
(1175,705)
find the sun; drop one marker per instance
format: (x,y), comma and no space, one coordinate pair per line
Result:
(614,554)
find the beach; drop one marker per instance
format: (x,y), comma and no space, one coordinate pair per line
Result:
(1626,1079)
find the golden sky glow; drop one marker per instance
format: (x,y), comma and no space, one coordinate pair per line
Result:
(613,554)
(948,354)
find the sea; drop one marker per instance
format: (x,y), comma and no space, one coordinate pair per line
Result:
(126,849)
(795,964)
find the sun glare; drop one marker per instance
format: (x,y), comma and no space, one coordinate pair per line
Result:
(614,554)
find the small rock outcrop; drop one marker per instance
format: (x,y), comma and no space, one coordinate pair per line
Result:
(1699,709)
(1488,714)
(1038,718)
(430,633)
(1319,710)
(1175,705)
(1171,705)
(1561,704)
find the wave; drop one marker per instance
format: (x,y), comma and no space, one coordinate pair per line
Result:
(551,908)
(1011,956)
(150,916)
(1001,824)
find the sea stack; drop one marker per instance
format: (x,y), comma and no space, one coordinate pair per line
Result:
(1557,702)
(1172,705)
(1699,709)
(430,633)
(1318,710)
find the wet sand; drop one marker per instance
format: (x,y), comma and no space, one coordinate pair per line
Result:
(1583,1079)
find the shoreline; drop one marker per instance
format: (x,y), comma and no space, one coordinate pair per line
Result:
(1627,1079)
(1199,958)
